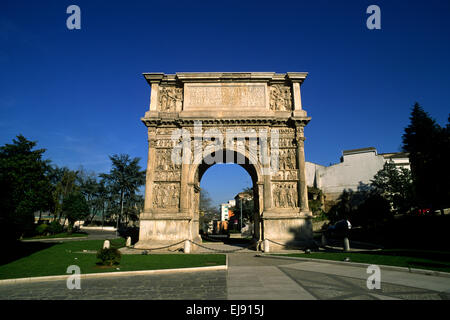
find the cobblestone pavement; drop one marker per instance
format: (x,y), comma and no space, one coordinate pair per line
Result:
(248,278)
(209,285)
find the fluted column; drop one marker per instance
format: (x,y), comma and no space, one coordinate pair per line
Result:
(185,192)
(149,177)
(302,186)
(265,162)
(259,200)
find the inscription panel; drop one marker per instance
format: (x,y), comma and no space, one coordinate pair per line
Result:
(225,96)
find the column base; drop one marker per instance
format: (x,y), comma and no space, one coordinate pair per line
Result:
(159,245)
(288,231)
(166,234)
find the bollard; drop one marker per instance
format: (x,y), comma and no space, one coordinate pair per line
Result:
(187,246)
(266,245)
(106,244)
(128,244)
(324,239)
(346,244)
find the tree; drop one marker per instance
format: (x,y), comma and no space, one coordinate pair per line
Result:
(372,212)
(207,211)
(428,145)
(75,208)
(247,210)
(24,187)
(315,203)
(112,201)
(101,202)
(124,180)
(205,203)
(248,207)
(64,183)
(395,185)
(89,187)
(248,190)
(344,208)
(133,206)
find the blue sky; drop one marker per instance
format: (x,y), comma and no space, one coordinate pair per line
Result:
(81,94)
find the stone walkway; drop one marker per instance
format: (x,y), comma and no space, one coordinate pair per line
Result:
(272,278)
(248,278)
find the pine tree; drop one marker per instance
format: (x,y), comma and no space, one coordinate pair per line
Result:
(24,187)
(428,147)
(124,180)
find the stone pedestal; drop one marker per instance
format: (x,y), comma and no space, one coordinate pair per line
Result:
(165,231)
(288,231)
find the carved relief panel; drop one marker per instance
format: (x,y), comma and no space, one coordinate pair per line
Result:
(166,195)
(285,175)
(280,98)
(287,165)
(286,131)
(170,99)
(164,143)
(165,168)
(164,160)
(284,194)
(287,159)
(286,142)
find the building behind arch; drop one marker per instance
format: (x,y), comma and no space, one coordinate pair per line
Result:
(355,170)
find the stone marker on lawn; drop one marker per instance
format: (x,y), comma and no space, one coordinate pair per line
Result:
(106,244)
(346,244)
(187,246)
(128,244)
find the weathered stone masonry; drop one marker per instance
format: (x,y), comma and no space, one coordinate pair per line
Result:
(251,102)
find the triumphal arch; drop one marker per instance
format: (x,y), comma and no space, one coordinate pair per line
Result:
(254,119)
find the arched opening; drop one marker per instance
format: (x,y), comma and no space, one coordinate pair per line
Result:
(249,175)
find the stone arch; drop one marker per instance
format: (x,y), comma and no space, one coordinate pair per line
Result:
(264,101)
(252,167)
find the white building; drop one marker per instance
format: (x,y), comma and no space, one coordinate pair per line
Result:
(356,169)
(224,209)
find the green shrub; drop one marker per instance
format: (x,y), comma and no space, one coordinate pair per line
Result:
(55,227)
(320,215)
(109,257)
(42,229)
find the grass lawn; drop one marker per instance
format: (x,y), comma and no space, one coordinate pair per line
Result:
(53,259)
(59,235)
(430,260)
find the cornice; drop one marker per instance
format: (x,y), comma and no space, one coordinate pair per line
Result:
(180,122)
(204,77)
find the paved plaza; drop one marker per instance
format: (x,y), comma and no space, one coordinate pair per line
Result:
(247,278)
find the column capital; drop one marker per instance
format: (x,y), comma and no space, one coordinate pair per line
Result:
(299,134)
(152,142)
(195,185)
(151,136)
